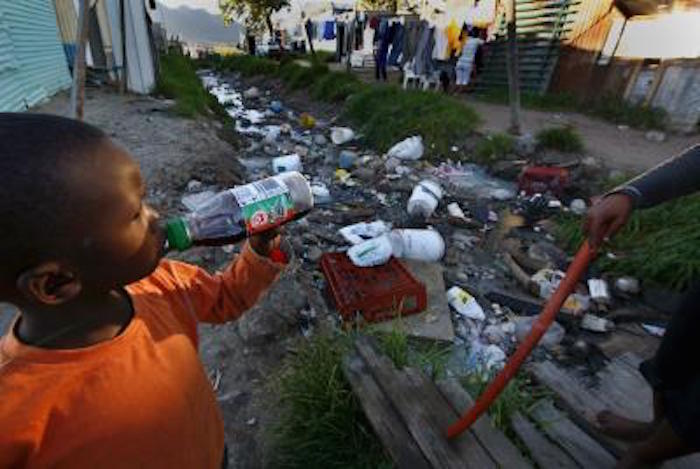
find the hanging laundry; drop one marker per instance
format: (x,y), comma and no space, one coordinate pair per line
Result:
(329,30)
(455,45)
(423,60)
(396,44)
(383,31)
(441,44)
(410,41)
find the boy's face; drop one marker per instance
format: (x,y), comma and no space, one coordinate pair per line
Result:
(121,239)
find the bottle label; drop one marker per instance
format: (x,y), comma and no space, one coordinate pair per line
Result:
(264,204)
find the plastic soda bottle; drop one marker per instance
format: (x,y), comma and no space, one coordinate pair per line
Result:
(234,214)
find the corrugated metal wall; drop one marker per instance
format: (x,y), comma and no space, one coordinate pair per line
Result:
(32,62)
(679,94)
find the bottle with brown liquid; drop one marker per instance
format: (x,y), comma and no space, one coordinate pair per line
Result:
(235,214)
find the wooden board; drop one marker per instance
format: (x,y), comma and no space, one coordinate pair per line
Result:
(498,446)
(424,412)
(384,420)
(546,454)
(582,448)
(626,338)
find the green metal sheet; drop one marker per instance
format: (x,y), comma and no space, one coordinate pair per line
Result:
(33,64)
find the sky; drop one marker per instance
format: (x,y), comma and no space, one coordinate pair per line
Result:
(211,6)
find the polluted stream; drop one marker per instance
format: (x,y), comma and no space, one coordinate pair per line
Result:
(478,224)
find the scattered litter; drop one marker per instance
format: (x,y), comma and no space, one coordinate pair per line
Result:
(347,159)
(320,139)
(473,180)
(251,422)
(321,193)
(283,164)
(276,107)
(307,121)
(656,331)
(543,179)
(193,201)
(454,149)
(655,136)
(424,199)
(578,206)
(409,149)
(272,133)
(551,338)
(391,164)
(598,290)
(485,359)
(340,135)
(343,176)
(594,323)
(456,211)
(554,203)
(465,304)
(251,92)
(402,170)
(194,185)
(421,245)
(360,232)
(628,285)
(525,145)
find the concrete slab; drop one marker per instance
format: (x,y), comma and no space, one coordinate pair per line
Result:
(435,322)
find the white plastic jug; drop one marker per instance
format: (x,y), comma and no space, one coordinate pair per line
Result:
(424,199)
(421,245)
(340,135)
(283,164)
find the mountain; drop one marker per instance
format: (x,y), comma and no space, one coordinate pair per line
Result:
(196,25)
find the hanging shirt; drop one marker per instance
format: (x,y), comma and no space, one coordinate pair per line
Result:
(329,30)
(454,44)
(441,45)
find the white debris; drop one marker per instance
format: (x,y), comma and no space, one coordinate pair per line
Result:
(340,135)
(465,304)
(409,149)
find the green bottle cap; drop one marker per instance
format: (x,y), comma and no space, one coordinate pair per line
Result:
(178,237)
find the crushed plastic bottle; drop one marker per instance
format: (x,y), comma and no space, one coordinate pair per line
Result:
(234,214)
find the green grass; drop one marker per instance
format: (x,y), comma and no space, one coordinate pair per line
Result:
(608,107)
(519,395)
(387,114)
(321,422)
(384,115)
(494,147)
(563,139)
(178,80)
(659,245)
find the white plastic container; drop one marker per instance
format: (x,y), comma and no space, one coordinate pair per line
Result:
(422,245)
(465,304)
(340,135)
(409,149)
(283,164)
(424,199)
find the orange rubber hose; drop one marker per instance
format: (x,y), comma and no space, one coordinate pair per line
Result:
(578,266)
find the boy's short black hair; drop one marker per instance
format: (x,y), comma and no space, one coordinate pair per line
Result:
(37,213)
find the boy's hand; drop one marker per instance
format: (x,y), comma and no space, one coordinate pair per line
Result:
(265,242)
(606,217)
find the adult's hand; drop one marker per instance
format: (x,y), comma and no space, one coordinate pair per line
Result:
(606,217)
(266,241)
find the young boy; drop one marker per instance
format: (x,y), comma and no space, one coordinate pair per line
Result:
(674,373)
(100,368)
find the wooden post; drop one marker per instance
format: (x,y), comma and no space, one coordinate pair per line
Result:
(513,73)
(122,27)
(77,94)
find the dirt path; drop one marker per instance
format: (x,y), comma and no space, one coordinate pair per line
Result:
(627,150)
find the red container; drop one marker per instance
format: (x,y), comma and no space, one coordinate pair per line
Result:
(377,293)
(543,179)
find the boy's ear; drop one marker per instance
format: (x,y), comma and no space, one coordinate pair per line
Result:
(48,284)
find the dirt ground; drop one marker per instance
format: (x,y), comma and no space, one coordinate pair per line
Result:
(623,149)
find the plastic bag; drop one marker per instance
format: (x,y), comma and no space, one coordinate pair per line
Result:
(409,149)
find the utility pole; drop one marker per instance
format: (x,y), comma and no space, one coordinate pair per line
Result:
(513,73)
(122,27)
(77,93)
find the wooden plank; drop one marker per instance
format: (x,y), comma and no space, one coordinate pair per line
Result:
(546,454)
(581,447)
(384,420)
(426,417)
(496,444)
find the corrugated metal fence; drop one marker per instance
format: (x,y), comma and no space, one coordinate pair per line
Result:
(32,62)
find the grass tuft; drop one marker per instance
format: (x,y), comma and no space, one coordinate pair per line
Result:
(178,80)
(563,139)
(659,244)
(493,147)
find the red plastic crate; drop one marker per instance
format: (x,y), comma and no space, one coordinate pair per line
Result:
(377,293)
(544,179)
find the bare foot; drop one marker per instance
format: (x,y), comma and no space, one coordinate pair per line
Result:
(623,428)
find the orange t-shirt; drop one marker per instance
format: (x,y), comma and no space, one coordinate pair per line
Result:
(140,400)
